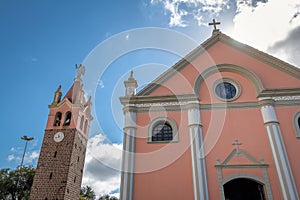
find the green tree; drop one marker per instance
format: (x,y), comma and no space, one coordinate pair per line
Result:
(107,197)
(16,184)
(87,193)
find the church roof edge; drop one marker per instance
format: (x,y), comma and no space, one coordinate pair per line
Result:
(221,37)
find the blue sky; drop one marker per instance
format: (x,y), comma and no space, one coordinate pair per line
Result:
(41,41)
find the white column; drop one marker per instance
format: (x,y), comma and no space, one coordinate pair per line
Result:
(126,190)
(284,172)
(197,152)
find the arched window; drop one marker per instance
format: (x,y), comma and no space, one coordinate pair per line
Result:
(296,122)
(162,130)
(57,119)
(81,122)
(68,117)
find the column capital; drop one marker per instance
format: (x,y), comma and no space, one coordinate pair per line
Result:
(194,113)
(129,108)
(129,117)
(193,105)
(264,101)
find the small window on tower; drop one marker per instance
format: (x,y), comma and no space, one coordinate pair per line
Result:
(81,122)
(57,119)
(85,126)
(50,177)
(55,154)
(68,119)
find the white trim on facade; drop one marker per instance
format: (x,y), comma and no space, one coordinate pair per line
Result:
(197,154)
(284,172)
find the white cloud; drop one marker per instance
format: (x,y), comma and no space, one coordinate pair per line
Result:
(181,10)
(11,157)
(29,159)
(176,14)
(288,48)
(100,83)
(102,165)
(262,25)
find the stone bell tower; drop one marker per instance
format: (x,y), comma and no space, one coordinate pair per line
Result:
(60,166)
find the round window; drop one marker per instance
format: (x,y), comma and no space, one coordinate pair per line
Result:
(226,90)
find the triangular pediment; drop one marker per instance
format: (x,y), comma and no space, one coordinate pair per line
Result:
(219,37)
(240,158)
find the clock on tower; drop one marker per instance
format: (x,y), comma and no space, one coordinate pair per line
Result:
(59,171)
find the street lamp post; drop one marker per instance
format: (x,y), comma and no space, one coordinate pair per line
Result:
(27,139)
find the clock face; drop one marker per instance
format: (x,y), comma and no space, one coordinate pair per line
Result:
(58,137)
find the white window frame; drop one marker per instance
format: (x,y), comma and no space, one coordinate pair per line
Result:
(160,120)
(296,126)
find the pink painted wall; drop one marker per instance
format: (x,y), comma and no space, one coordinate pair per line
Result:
(163,171)
(220,128)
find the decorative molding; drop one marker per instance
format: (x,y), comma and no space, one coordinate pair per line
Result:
(280,92)
(172,103)
(254,164)
(286,98)
(158,99)
(229,68)
(184,106)
(162,104)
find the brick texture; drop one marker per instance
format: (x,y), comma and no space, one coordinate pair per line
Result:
(60,166)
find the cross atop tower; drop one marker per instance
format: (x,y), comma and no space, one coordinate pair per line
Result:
(237,143)
(214,23)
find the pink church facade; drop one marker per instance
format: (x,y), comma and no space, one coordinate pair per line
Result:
(222,123)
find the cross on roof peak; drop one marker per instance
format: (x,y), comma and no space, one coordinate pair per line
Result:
(236,143)
(214,23)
